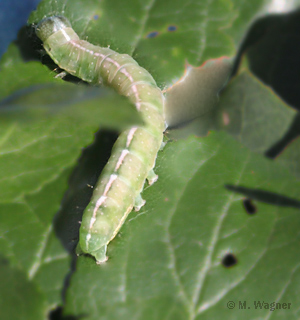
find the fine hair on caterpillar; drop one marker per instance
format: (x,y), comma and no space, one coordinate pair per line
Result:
(132,160)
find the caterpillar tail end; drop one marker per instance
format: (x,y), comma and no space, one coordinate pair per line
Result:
(100,254)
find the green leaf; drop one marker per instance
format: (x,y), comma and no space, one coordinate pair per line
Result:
(19,296)
(128,28)
(168,257)
(41,140)
(31,73)
(45,123)
(253,113)
(203,29)
(29,242)
(167,261)
(77,104)
(290,157)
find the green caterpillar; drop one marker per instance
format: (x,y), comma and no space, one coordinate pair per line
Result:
(134,153)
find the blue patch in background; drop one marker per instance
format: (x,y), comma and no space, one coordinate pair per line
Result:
(13,15)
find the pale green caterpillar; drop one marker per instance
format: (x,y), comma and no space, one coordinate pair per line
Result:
(134,153)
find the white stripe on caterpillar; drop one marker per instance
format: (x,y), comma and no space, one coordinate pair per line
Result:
(130,136)
(122,156)
(134,153)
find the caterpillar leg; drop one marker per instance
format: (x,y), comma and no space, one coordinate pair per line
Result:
(138,203)
(152,177)
(100,254)
(61,75)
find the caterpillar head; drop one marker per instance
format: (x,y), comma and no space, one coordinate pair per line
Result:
(51,25)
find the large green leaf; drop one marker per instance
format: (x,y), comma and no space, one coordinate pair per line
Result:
(14,286)
(252,112)
(290,157)
(167,260)
(129,27)
(45,123)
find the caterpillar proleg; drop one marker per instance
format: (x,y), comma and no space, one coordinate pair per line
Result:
(133,156)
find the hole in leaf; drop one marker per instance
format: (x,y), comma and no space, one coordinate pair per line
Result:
(172,28)
(229,260)
(152,34)
(249,206)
